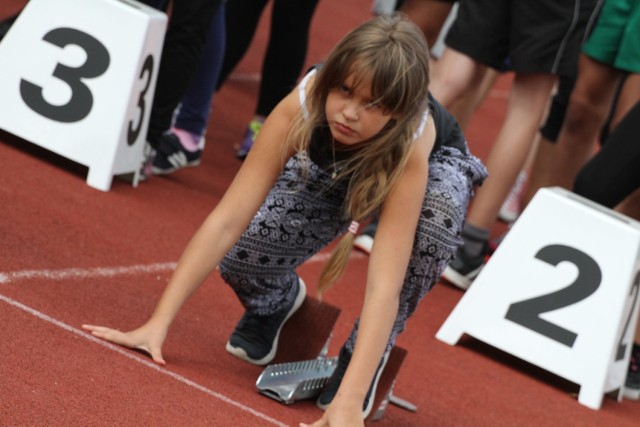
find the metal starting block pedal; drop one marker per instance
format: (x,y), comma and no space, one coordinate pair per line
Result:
(293,381)
(289,382)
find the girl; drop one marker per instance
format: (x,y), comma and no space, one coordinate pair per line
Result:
(358,136)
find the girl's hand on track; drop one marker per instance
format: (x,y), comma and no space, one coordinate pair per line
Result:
(333,417)
(146,338)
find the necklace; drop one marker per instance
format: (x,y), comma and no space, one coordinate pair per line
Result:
(333,152)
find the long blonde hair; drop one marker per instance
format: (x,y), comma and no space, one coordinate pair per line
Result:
(392,53)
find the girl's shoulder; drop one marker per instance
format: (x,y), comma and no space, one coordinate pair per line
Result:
(448,132)
(304,87)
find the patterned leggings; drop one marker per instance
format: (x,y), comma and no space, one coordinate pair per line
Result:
(299,217)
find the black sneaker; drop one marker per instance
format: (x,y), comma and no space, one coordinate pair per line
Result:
(364,241)
(5,25)
(171,155)
(329,391)
(463,269)
(632,384)
(149,156)
(255,338)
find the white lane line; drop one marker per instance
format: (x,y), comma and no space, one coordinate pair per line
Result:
(89,273)
(86,273)
(142,361)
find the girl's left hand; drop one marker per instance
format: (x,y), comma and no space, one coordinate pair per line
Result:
(333,417)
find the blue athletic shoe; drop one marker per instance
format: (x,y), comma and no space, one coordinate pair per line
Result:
(249,137)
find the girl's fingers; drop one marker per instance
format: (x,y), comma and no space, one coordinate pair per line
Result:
(93,328)
(108,334)
(98,331)
(127,340)
(156,355)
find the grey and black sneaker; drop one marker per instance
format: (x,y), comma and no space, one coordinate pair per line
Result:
(463,268)
(364,241)
(171,155)
(329,391)
(255,338)
(146,169)
(632,384)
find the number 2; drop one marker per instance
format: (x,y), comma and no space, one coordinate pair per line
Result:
(527,312)
(635,289)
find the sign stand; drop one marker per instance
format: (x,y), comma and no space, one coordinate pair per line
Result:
(78,78)
(560,292)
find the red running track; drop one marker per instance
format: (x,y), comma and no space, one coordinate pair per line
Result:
(70,255)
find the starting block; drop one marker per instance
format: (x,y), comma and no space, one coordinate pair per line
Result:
(384,394)
(294,381)
(78,78)
(307,333)
(561,292)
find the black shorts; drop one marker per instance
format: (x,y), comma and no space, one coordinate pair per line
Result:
(537,36)
(558,108)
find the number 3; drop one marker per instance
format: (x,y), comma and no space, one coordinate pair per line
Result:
(147,68)
(81,102)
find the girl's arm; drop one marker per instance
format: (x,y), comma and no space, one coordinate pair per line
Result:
(387,268)
(219,232)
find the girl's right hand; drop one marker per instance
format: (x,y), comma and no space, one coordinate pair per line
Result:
(146,338)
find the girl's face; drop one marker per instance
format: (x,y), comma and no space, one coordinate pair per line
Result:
(352,115)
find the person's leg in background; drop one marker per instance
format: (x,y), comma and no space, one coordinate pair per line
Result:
(428,15)
(626,98)
(283,61)
(537,63)
(589,104)
(613,173)
(183,145)
(610,51)
(241,19)
(526,105)
(182,49)
(431,17)
(453,75)
(548,134)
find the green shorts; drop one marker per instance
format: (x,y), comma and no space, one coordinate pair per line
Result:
(615,39)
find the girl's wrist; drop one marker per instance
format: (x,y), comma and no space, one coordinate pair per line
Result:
(350,397)
(158,321)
